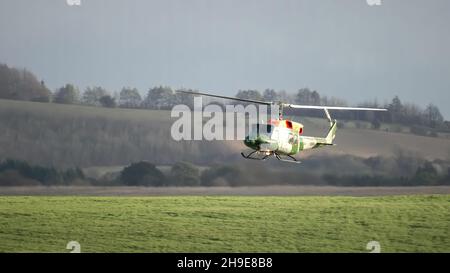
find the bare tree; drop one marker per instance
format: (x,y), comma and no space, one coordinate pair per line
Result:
(130,98)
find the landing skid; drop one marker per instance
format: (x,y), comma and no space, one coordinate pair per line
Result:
(255,156)
(290,159)
(251,155)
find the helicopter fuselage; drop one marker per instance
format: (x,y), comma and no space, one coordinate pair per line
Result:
(282,137)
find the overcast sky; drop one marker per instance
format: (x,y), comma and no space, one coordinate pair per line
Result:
(345,48)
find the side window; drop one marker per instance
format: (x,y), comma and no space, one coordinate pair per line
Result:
(293,138)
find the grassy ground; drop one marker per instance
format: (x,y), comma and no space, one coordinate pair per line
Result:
(419,223)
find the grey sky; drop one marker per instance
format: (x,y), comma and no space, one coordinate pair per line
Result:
(344,48)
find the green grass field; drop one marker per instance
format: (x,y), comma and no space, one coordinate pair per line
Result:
(419,223)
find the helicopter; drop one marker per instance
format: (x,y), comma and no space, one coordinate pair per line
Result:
(282,138)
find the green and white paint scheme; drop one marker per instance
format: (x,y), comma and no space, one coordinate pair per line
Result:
(283,138)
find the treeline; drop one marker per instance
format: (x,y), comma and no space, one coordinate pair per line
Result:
(427,174)
(165,98)
(158,97)
(144,173)
(23,85)
(403,169)
(20,173)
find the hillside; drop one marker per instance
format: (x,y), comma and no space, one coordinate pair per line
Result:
(368,142)
(74,135)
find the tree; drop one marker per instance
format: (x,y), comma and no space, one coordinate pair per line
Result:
(142,174)
(270,95)
(108,101)
(433,116)
(315,98)
(44,94)
(21,84)
(184,174)
(91,96)
(426,174)
(130,98)
(412,114)
(183,98)
(159,98)
(308,97)
(285,97)
(396,110)
(67,94)
(249,95)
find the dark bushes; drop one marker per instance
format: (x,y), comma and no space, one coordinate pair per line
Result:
(16,172)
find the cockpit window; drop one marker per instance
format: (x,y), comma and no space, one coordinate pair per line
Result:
(261,129)
(265,128)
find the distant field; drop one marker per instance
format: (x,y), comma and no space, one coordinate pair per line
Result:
(74,135)
(419,223)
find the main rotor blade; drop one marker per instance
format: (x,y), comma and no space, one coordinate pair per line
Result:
(225,97)
(284,104)
(333,107)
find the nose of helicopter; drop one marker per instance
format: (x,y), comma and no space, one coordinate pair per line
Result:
(251,143)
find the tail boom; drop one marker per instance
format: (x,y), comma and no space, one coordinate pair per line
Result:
(308,142)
